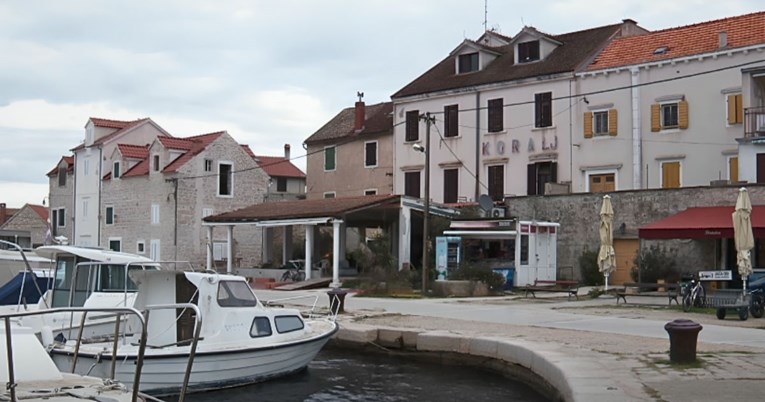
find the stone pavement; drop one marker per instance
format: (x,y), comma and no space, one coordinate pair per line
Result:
(589,350)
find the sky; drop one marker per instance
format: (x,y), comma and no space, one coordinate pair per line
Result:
(268,72)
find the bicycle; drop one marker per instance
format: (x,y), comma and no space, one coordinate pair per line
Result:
(694,295)
(294,273)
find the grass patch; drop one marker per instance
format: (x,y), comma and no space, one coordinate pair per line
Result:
(699,363)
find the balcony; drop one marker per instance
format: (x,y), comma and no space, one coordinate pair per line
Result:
(754,122)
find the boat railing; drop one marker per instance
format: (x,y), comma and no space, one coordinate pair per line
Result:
(24,278)
(11,386)
(312,313)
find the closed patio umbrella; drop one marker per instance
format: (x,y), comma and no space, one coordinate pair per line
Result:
(607,256)
(742,234)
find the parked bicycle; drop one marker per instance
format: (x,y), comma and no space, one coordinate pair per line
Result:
(694,295)
(294,272)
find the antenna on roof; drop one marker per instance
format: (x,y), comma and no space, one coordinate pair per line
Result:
(485,15)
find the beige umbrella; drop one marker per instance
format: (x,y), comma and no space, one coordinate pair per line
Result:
(607,256)
(742,234)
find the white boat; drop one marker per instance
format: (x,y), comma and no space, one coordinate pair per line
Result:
(240,340)
(84,277)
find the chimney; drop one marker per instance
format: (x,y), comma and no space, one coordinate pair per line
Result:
(287,151)
(360,114)
(3,213)
(723,39)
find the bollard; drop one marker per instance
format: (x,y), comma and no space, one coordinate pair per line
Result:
(337,300)
(683,334)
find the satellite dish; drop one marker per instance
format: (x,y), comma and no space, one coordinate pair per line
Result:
(485,202)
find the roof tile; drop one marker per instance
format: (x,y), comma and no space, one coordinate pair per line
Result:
(134,151)
(378,119)
(278,166)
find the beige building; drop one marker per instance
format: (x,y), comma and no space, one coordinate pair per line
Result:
(60,198)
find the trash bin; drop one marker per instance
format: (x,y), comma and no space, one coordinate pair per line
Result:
(683,335)
(509,274)
(337,300)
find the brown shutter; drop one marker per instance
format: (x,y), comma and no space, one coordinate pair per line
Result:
(655,117)
(682,112)
(612,122)
(732,109)
(733,167)
(739,108)
(587,124)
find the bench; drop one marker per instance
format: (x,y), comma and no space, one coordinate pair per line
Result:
(648,289)
(570,287)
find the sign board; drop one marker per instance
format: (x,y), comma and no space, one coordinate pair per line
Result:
(715,275)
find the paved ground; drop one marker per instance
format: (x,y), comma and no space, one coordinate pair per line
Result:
(628,342)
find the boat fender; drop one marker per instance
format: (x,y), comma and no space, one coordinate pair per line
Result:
(46,335)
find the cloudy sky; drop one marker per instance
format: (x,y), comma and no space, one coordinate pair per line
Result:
(268,72)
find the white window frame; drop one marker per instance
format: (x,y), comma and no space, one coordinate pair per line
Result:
(328,193)
(324,160)
(140,247)
(219,250)
(207,212)
(155,217)
(663,127)
(377,154)
(155,162)
(208,165)
(59,217)
(111,239)
(85,209)
(86,166)
(595,133)
(727,115)
(155,249)
(106,215)
(661,171)
(116,170)
(217,187)
(597,172)
(370,191)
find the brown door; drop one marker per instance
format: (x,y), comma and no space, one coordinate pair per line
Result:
(185,292)
(670,175)
(602,183)
(760,168)
(625,250)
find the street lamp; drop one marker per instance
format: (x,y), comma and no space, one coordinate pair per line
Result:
(426,213)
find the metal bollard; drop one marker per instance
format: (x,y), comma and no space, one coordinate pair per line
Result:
(683,334)
(337,300)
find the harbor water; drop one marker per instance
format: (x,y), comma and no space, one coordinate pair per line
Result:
(341,375)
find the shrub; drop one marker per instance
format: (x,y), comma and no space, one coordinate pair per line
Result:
(655,262)
(588,265)
(479,273)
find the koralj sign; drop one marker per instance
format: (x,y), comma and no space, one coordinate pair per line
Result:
(500,147)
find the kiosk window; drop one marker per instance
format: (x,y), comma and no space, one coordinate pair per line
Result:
(524,249)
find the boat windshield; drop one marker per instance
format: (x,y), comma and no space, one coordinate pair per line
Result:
(97,278)
(236,294)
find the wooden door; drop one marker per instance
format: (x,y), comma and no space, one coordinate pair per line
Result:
(625,250)
(602,183)
(760,168)
(733,169)
(670,175)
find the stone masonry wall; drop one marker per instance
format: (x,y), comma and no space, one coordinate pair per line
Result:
(28,220)
(62,197)
(579,217)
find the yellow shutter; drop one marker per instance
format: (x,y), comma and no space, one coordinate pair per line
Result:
(732,109)
(612,122)
(733,168)
(587,124)
(655,117)
(739,108)
(682,107)
(670,173)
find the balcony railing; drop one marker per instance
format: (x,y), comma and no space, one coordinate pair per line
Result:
(754,121)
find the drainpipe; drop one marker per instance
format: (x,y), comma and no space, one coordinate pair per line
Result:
(637,139)
(570,141)
(175,222)
(477,145)
(100,183)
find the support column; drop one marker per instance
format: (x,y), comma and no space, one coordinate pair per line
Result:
(229,249)
(308,250)
(209,249)
(287,244)
(343,245)
(404,238)
(268,244)
(335,254)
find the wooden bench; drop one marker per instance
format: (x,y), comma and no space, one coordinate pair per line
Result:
(570,287)
(648,289)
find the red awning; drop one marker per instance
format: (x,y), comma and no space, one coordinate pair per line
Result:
(702,223)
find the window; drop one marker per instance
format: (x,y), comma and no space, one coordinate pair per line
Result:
(670,174)
(329,159)
(86,167)
(451,177)
(497,182)
(281,184)
(155,163)
(260,327)
(61,176)
(370,154)
(154,252)
(115,244)
(760,168)
(370,192)
(155,214)
(528,51)
(524,249)
(602,183)
(539,174)
(288,323)
(207,212)
(412,184)
(669,115)
(543,109)
(496,114)
(235,294)
(225,179)
(140,247)
(451,121)
(220,250)
(733,169)
(109,215)
(85,210)
(735,109)
(208,165)
(329,194)
(467,63)
(116,170)
(600,122)
(59,217)
(412,125)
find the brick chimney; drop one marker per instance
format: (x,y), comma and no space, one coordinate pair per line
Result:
(360,114)
(3,213)
(287,151)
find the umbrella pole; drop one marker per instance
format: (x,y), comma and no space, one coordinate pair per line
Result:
(606,275)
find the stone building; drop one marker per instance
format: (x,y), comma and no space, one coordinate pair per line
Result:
(27,227)
(60,198)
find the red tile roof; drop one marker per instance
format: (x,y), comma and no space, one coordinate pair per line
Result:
(122,126)
(322,207)
(134,151)
(40,210)
(248,150)
(199,143)
(176,143)
(742,31)
(69,165)
(119,124)
(378,118)
(278,166)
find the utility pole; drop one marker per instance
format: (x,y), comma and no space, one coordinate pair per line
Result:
(426,213)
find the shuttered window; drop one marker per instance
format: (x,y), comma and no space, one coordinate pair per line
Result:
(451,121)
(671,115)
(538,174)
(670,175)
(329,159)
(412,125)
(600,123)
(451,177)
(543,109)
(497,182)
(496,118)
(735,109)
(733,169)
(412,184)
(370,154)
(467,63)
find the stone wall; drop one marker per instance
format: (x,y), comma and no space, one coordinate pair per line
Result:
(579,217)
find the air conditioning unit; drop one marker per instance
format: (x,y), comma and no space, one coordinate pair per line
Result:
(498,212)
